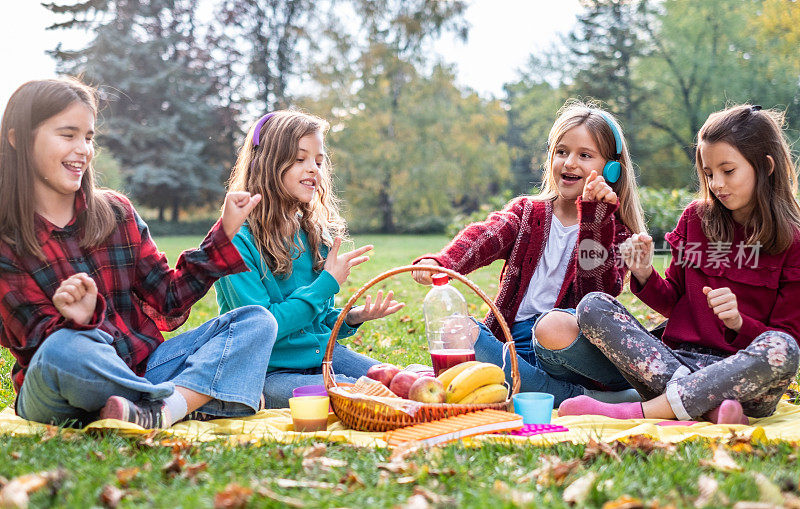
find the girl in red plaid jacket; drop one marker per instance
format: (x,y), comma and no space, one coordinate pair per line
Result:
(84,292)
(557,247)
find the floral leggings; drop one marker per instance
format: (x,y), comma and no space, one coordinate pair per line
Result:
(695,379)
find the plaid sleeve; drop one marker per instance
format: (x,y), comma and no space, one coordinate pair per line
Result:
(480,244)
(28,315)
(172,292)
(600,230)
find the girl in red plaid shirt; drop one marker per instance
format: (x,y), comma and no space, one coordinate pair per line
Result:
(557,247)
(84,293)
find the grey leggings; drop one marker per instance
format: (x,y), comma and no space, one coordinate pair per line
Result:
(694,379)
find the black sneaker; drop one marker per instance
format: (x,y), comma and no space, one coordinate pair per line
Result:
(147,414)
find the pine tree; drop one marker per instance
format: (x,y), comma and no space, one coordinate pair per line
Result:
(162,112)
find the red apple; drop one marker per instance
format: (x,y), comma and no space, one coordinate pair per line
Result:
(402,382)
(384,373)
(427,390)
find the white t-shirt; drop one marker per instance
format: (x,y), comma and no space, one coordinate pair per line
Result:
(549,275)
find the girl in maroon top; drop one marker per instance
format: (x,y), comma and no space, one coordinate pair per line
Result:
(730,346)
(557,246)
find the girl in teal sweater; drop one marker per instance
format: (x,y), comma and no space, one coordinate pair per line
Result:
(291,243)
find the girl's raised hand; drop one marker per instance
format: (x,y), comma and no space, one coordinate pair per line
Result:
(238,205)
(423,277)
(339,265)
(596,189)
(383,306)
(723,302)
(76,297)
(637,253)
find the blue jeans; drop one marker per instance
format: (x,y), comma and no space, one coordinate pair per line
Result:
(533,378)
(347,366)
(581,362)
(74,372)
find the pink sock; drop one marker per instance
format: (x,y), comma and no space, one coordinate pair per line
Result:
(729,412)
(584,405)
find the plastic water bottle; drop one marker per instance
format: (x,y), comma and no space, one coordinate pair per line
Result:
(450,331)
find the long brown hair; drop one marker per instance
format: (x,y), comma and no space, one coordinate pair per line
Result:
(756,134)
(573,114)
(30,105)
(277,219)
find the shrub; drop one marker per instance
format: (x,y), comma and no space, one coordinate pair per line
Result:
(662,209)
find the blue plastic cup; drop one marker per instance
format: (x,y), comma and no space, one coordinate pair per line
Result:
(534,407)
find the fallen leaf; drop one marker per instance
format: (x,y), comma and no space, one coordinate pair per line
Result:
(175,466)
(405,319)
(411,330)
(191,471)
(746,504)
(314,451)
(415,502)
(323,463)
(403,451)
(111,496)
(97,455)
(233,496)
(294,483)
(15,455)
(646,445)
(721,461)
(516,497)
(268,493)
(15,492)
(553,471)
(739,443)
(624,502)
(767,490)
(595,449)
(434,498)
(709,492)
(408,479)
(398,467)
(126,475)
(351,480)
(579,489)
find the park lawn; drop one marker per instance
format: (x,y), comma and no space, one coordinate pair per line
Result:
(176,474)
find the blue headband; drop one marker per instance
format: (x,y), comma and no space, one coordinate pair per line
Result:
(259,125)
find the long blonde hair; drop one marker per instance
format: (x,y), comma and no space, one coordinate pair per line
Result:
(756,134)
(29,106)
(573,114)
(277,219)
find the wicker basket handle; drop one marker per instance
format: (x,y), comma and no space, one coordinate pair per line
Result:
(326,366)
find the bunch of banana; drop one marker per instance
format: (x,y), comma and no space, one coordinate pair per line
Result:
(474,383)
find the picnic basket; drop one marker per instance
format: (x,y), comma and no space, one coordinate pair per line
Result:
(371,415)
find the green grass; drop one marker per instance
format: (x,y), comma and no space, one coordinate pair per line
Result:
(454,475)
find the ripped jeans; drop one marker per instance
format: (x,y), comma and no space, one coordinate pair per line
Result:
(694,379)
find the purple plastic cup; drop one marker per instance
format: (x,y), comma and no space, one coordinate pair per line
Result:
(311,390)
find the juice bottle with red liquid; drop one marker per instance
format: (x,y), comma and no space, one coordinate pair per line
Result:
(450,331)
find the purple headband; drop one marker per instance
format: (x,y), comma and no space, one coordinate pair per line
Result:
(259,125)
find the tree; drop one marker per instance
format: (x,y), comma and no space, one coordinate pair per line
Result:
(436,153)
(163,114)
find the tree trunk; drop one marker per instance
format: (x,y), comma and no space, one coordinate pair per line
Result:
(175,211)
(161,213)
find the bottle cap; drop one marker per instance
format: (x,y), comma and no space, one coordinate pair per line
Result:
(440,279)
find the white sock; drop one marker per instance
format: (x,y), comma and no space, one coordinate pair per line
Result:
(626,396)
(176,408)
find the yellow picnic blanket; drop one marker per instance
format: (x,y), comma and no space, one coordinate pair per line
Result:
(276,425)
